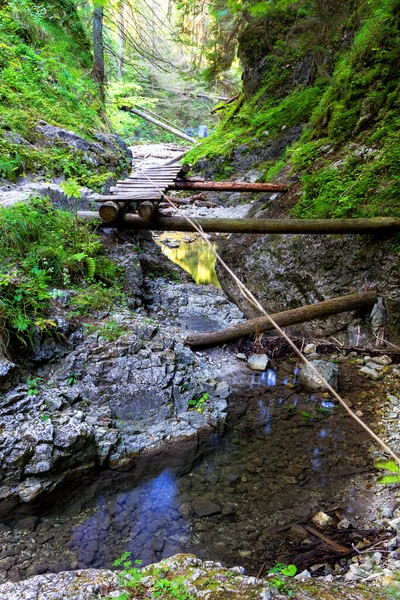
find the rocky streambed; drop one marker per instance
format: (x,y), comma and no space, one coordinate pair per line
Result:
(129,441)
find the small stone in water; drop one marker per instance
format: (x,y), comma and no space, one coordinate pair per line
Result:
(258,362)
(344,524)
(310,349)
(312,382)
(241,356)
(322,520)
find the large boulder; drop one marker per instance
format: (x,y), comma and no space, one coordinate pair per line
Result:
(109,149)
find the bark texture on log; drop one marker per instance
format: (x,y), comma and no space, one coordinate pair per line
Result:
(230,186)
(364,300)
(279,226)
(146,210)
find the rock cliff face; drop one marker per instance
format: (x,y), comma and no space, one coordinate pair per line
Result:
(287,271)
(103,398)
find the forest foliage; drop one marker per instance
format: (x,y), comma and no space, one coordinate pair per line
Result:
(347,158)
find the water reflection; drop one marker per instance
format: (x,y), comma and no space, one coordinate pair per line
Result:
(145,517)
(265,378)
(196,257)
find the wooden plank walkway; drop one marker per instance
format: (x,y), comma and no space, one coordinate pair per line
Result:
(146,187)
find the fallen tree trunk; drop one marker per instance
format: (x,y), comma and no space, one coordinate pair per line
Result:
(364,300)
(176,132)
(229,186)
(258,226)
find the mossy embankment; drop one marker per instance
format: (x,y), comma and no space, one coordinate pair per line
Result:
(334,82)
(45,66)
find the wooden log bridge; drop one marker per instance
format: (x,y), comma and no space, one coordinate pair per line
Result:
(363,301)
(148,185)
(145,189)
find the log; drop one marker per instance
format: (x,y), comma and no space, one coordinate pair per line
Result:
(230,186)
(312,226)
(110,211)
(146,210)
(320,310)
(175,159)
(181,201)
(258,226)
(158,123)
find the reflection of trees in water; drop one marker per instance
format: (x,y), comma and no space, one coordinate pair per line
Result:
(196,258)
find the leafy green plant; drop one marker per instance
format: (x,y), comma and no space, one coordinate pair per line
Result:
(109,331)
(277,581)
(33,386)
(306,416)
(198,403)
(130,579)
(392,467)
(72,379)
(43,249)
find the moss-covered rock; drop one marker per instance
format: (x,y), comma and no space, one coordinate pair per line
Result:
(190,576)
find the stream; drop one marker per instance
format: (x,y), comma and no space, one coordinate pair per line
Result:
(283,455)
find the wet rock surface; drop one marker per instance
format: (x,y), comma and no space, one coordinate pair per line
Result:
(285,452)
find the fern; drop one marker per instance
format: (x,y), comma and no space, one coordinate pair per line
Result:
(91,265)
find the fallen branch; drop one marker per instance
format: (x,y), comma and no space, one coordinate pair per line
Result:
(320,310)
(337,547)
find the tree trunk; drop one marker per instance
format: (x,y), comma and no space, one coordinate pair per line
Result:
(98,72)
(320,310)
(121,39)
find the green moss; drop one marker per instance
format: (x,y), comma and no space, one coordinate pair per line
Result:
(361,106)
(348,158)
(45,61)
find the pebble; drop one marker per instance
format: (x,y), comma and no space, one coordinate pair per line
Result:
(322,520)
(310,349)
(344,524)
(370,373)
(393,399)
(303,575)
(258,362)
(241,356)
(382,360)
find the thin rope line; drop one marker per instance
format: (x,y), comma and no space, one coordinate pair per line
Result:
(253,300)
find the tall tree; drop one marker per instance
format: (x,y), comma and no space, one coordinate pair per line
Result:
(121,39)
(99,73)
